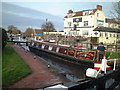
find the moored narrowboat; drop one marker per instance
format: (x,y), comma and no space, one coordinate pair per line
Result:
(73,54)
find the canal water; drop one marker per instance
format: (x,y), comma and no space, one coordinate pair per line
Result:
(71,71)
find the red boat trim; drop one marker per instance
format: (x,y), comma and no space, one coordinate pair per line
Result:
(108,68)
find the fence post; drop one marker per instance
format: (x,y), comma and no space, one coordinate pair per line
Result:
(91,46)
(116,47)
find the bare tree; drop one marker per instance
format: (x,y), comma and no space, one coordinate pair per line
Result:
(16,32)
(116,11)
(11,28)
(29,31)
(4,37)
(48,26)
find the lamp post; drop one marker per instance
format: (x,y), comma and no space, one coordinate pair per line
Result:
(77,20)
(34,35)
(90,41)
(47,29)
(116,40)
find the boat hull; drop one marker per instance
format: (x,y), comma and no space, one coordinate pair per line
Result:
(98,66)
(65,58)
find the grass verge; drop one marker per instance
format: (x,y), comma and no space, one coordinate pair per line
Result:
(13,67)
(112,54)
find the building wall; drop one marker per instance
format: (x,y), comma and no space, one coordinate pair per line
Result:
(99,18)
(94,20)
(88,29)
(55,33)
(112,25)
(108,37)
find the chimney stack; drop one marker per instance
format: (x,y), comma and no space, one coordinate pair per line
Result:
(70,11)
(99,7)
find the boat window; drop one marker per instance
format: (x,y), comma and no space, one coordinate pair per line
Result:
(54,48)
(46,46)
(71,52)
(37,44)
(40,45)
(85,55)
(50,48)
(63,50)
(57,50)
(43,45)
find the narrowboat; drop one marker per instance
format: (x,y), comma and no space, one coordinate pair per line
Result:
(70,53)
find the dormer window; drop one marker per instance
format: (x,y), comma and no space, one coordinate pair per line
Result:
(86,12)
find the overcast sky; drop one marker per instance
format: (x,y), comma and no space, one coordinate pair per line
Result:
(56,7)
(60,8)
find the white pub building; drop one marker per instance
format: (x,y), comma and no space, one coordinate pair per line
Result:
(92,23)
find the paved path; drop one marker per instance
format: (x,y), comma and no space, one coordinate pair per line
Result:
(41,75)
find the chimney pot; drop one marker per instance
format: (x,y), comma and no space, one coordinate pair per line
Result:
(70,11)
(99,7)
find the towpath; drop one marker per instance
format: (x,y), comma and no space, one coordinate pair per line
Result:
(41,75)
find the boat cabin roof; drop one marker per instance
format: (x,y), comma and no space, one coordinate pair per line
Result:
(64,45)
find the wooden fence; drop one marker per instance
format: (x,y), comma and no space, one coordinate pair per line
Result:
(109,47)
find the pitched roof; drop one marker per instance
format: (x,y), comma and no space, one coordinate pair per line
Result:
(80,13)
(107,29)
(94,10)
